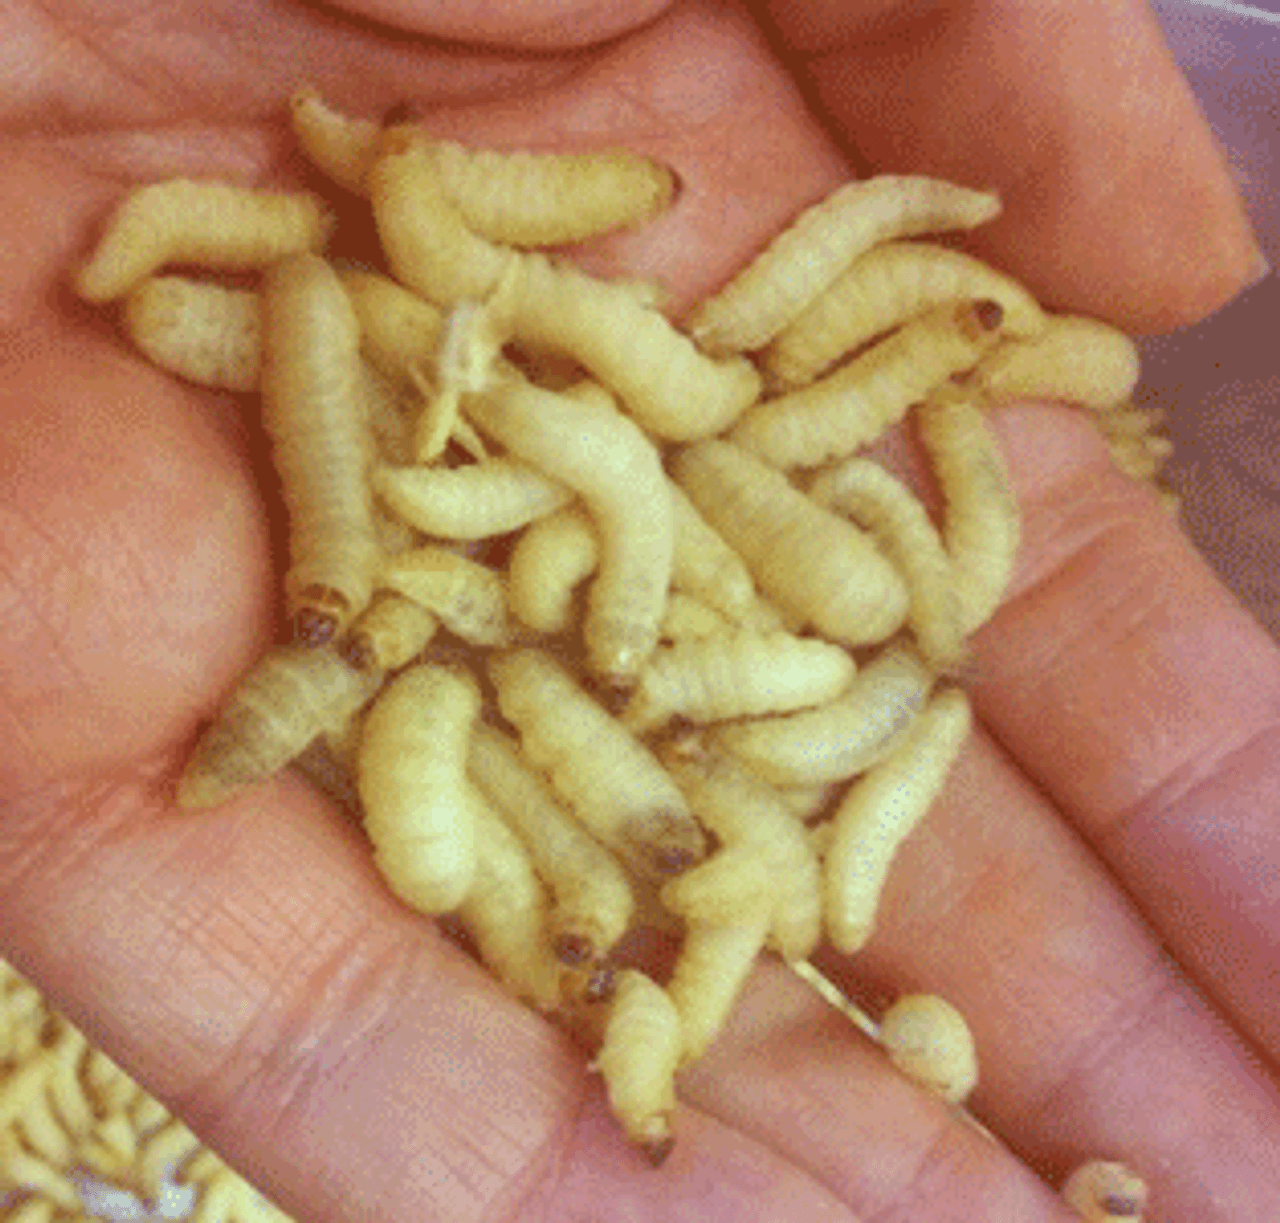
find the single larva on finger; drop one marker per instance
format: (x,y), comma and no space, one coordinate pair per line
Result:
(638,1059)
(390,632)
(548,562)
(881,810)
(614,784)
(1102,1191)
(814,565)
(928,1040)
(468,597)
(419,808)
(704,565)
(291,695)
(341,146)
(593,901)
(1074,359)
(820,243)
(604,458)
(900,525)
(849,409)
(212,224)
(883,289)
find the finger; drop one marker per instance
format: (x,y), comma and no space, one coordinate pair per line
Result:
(1117,200)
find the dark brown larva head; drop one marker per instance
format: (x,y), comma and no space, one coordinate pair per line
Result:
(990,314)
(657,1151)
(1122,1206)
(359,652)
(313,628)
(573,949)
(673,859)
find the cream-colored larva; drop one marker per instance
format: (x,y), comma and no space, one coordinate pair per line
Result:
(43,1134)
(469,598)
(901,526)
(881,810)
(210,224)
(617,471)
(1102,1191)
(291,695)
(399,331)
(983,523)
(614,784)
(1074,359)
(820,244)
(803,802)
(883,289)
(849,409)
(314,411)
(638,1059)
(471,502)
(815,566)
(704,565)
(548,562)
(928,1040)
(419,809)
(663,381)
(203,332)
(689,619)
(340,145)
(390,632)
(593,901)
(741,675)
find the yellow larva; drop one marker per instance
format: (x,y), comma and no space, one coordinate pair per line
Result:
(341,146)
(928,1040)
(638,1059)
(882,290)
(983,523)
(202,332)
(815,566)
(704,565)
(548,562)
(689,619)
(880,812)
(854,406)
(617,472)
(611,780)
(390,632)
(593,901)
(807,256)
(399,331)
(42,1131)
(723,890)
(419,808)
(901,526)
(314,411)
(1074,359)
(291,695)
(469,598)
(211,224)
(745,674)
(1102,1191)
(471,502)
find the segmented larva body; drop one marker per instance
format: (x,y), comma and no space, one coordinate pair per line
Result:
(928,1040)
(549,561)
(1073,359)
(211,224)
(419,808)
(614,784)
(739,675)
(854,406)
(883,289)
(314,411)
(815,566)
(672,389)
(1102,1191)
(821,243)
(468,597)
(399,331)
(339,145)
(605,458)
(881,810)
(593,901)
(689,619)
(983,523)
(901,526)
(291,695)
(390,632)
(703,565)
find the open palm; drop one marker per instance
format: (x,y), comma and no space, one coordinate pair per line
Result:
(1097,888)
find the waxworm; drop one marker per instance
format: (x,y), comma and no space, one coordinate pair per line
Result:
(341,146)
(549,561)
(689,619)
(399,331)
(928,1040)
(390,632)
(1105,1191)
(469,598)
(704,565)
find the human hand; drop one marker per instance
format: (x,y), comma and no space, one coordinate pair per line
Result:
(248,964)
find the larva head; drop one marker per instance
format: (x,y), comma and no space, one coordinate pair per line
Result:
(359,652)
(572,948)
(319,614)
(1122,1206)
(981,319)
(657,1149)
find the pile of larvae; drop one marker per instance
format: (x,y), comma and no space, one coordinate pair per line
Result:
(605,619)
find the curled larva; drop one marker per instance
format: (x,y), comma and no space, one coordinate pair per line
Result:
(202,332)
(593,901)
(469,598)
(614,784)
(815,566)
(737,675)
(881,810)
(548,562)
(928,1040)
(291,695)
(314,411)
(390,632)
(341,146)
(605,458)
(881,290)
(211,224)
(638,1059)
(1073,359)
(822,241)
(854,406)
(1102,1191)
(419,807)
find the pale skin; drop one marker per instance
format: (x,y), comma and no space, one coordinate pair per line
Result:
(247,962)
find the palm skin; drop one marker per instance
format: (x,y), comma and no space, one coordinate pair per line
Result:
(1095,890)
